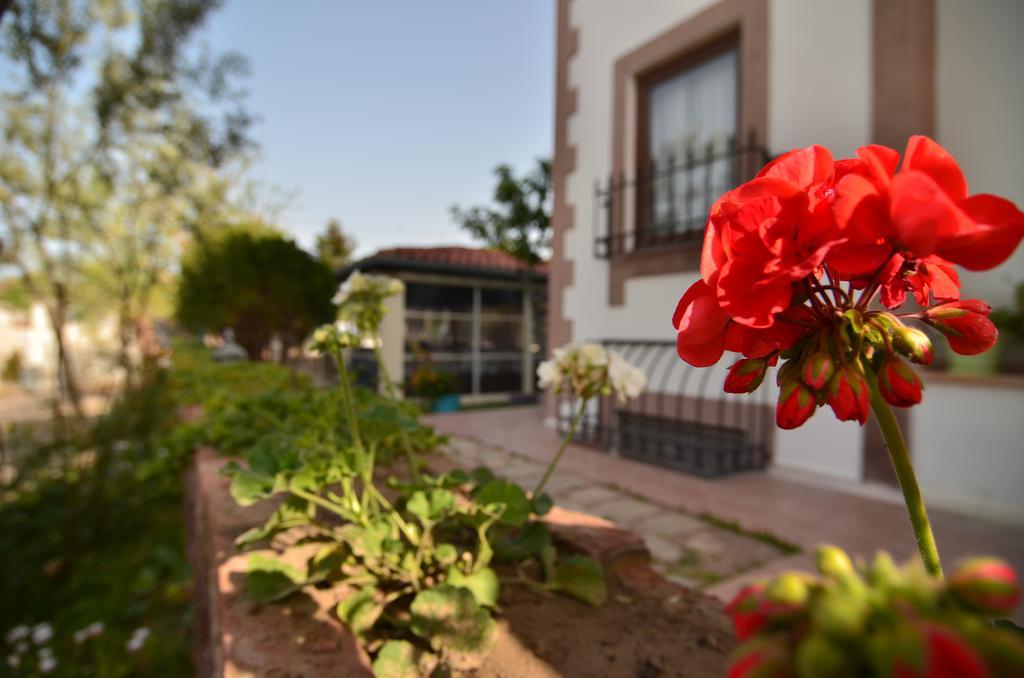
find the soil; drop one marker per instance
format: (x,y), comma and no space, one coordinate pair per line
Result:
(649,627)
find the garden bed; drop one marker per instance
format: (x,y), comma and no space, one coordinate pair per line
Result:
(648,627)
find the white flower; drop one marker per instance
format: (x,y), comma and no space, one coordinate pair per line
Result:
(47,662)
(82,634)
(626,380)
(594,355)
(17,633)
(548,374)
(13,660)
(41,633)
(138,639)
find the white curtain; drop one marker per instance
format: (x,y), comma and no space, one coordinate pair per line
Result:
(688,112)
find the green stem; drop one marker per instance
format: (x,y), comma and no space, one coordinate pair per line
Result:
(320,501)
(410,456)
(350,408)
(900,457)
(561,450)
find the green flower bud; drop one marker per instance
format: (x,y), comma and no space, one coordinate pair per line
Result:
(819,655)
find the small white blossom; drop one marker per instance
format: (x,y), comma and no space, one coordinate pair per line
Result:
(594,354)
(47,662)
(41,633)
(547,373)
(83,634)
(13,660)
(590,371)
(138,639)
(627,381)
(19,632)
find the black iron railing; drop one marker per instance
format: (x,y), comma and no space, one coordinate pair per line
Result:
(667,203)
(682,421)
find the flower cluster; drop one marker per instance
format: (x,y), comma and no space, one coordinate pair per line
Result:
(328,340)
(360,300)
(793,259)
(590,371)
(878,619)
(23,639)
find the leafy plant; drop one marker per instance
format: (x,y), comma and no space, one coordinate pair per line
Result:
(415,556)
(429,382)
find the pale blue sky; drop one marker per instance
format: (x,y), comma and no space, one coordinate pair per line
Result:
(382,113)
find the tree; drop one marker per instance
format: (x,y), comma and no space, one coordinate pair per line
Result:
(115,136)
(257,283)
(334,246)
(519,223)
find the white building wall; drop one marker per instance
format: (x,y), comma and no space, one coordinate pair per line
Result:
(968,447)
(820,91)
(980,96)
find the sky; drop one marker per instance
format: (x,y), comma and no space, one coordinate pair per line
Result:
(384,113)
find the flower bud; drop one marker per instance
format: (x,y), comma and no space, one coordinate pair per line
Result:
(939,651)
(746,611)
(987,585)
(914,344)
(767,658)
(819,655)
(848,395)
(746,375)
(833,562)
(818,369)
(840,615)
(965,324)
(785,595)
(898,383)
(796,405)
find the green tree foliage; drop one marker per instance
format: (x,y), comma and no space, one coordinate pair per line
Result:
(258,284)
(519,222)
(334,246)
(117,138)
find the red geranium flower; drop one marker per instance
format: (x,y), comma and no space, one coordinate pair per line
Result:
(793,259)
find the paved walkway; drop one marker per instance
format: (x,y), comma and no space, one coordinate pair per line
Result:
(714,534)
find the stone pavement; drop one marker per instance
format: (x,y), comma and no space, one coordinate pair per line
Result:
(715,534)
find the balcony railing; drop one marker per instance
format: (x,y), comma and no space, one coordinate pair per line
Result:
(682,421)
(667,203)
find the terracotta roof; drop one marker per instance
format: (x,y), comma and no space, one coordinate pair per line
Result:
(458,257)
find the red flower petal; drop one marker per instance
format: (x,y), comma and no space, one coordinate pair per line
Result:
(925,155)
(998,229)
(923,216)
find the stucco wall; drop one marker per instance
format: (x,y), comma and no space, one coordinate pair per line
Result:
(980,96)
(967,448)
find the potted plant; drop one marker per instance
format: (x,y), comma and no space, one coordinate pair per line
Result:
(440,389)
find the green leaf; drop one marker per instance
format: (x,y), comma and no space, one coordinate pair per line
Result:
(483,584)
(446,554)
(360,611)
(430,505)
(515,506)
(449,617)
(582,578)
(247,487)
(481,475)
(397,659)
(524,544)
(292,513)
(542,504)
(270,579)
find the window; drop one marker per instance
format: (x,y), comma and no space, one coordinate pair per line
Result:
(688,120)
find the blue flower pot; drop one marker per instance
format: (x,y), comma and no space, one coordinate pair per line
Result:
(447,403)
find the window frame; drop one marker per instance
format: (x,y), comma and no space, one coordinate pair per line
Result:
(645,82)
